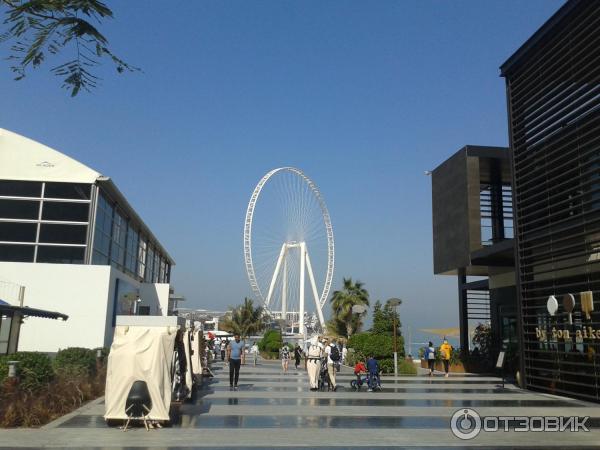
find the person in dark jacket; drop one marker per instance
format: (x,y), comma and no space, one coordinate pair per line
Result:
(373,369)
(297,355)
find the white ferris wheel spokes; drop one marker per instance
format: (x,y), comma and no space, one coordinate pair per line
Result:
(288,238)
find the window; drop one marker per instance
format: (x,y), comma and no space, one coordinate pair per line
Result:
(99,258)
(65,211)
(18,232)
(103,230)
(144,311)
(161,273)
(131,250)
(16,253)
(119,235)
(63,234)
(76,191)
(19,209)
(149,265)
(20,188)
(156,270)
(5,324)
(142,250)
(60,255)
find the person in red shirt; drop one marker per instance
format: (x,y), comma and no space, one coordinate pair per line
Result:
(358,369)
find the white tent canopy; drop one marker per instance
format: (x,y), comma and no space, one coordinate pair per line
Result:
(25,159)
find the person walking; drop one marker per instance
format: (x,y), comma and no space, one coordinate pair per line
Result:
(254,351)
(234,357)
(223,349)
(446,352)
(297,355)
(333,359)
(344,354)
(429,356)
(313,363)
(285,358)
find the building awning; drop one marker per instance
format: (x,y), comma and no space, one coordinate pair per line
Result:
(9,310)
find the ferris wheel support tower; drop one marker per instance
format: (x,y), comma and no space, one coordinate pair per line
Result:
(305,266)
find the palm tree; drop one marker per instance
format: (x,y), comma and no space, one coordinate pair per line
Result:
(342,301)
(244,320)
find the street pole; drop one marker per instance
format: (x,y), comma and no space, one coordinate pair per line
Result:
(395,347)
(394,302)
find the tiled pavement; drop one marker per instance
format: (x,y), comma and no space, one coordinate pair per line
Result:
(272,410)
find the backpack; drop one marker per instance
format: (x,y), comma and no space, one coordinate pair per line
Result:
(335,353)
(430,353)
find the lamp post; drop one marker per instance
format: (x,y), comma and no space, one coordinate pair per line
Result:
(395,302)
(358,309)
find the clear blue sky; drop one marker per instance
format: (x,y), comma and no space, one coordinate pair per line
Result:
(363,96)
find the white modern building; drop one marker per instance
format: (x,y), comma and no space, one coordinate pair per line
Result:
(71,238)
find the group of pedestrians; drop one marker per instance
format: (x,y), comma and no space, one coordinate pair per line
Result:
(445,353)
(285,356)
(321,353)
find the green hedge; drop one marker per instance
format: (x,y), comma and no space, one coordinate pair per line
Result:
(34,368)
(386,366)
(76,360)
(381,346)
(271,342)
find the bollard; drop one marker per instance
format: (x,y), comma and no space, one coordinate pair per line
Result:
(99,360)
(12,369)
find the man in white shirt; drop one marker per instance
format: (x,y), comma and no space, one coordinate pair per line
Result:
(331,364)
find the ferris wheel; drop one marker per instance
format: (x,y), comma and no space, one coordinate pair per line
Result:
(288,241)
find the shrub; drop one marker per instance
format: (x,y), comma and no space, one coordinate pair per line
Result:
(76,360)
(352,357)
(23,407)
(381,346)
(271,342)
(35,369)
(386,366)
(406,367)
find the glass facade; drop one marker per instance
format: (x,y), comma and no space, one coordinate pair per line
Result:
(44,222)
(49,223)
(120,242)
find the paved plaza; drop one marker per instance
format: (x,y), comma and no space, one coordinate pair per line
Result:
(272,410)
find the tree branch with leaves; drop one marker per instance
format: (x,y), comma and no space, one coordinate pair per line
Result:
(37,29)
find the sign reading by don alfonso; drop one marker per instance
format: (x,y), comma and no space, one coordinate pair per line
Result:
(583,333)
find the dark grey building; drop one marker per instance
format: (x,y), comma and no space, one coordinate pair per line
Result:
(553,91)
(472,239)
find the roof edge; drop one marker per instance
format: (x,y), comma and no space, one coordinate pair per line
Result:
(534,39)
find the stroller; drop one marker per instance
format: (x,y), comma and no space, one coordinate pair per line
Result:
(324,376)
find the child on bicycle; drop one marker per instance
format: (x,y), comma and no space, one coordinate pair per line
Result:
(359,369)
